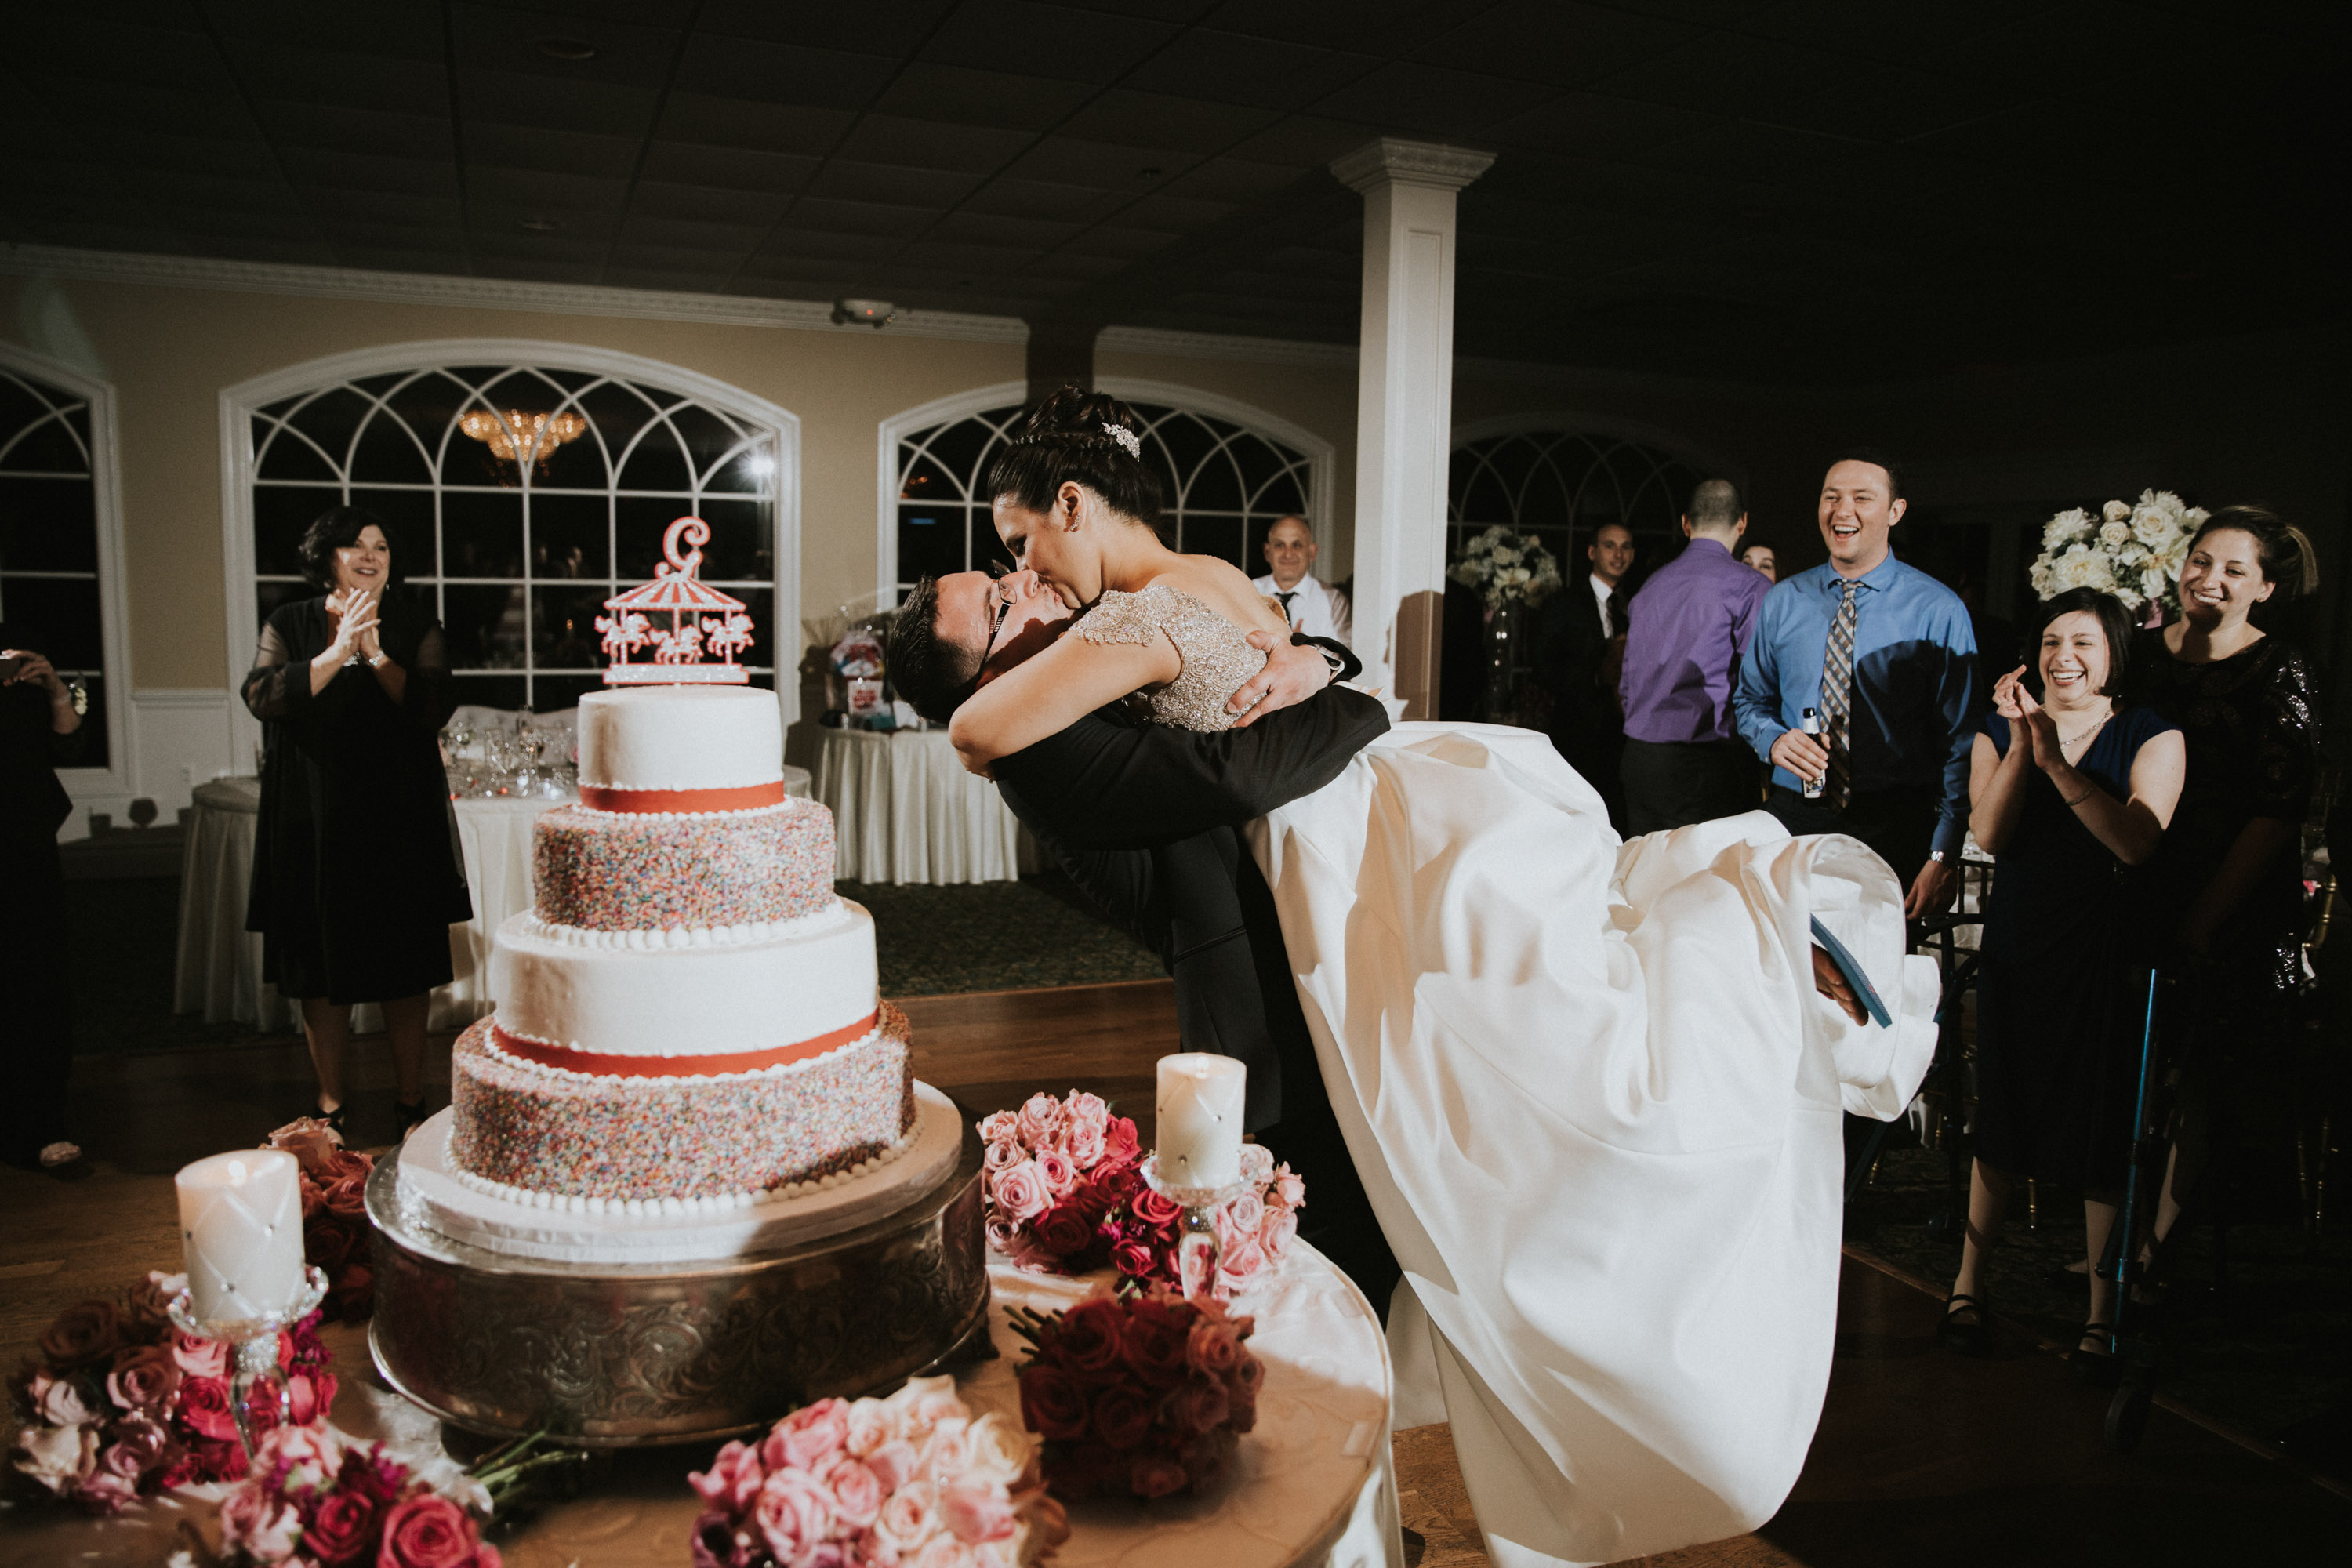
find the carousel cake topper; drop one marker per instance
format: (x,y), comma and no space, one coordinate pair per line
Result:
(702,620)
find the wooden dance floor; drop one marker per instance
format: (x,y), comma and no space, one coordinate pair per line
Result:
(1922,1460)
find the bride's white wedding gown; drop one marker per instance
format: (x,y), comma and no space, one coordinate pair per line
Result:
(1595,1099)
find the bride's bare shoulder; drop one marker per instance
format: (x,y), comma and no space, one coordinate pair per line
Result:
(1223,589)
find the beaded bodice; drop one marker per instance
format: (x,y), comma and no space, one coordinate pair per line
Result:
(1217,654)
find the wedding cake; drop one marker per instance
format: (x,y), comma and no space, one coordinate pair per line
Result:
(688,1057)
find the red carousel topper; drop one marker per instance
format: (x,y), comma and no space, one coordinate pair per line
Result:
(677,659)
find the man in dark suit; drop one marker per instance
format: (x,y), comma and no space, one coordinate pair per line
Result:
(1578,653)
(1149,820)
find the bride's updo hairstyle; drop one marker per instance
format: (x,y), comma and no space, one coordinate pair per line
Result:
(2289,563)
(1076,436)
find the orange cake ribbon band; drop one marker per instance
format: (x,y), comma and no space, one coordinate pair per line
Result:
(599,1064)
(748,797)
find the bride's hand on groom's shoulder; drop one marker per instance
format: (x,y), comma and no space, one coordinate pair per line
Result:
(1292,674)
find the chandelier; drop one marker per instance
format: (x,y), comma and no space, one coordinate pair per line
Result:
(513,433)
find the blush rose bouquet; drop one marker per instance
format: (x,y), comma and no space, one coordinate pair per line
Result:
(314,1499)
(913,1480)
(1145,1393)
(1063,1193)
(335,1231)
(120,1405)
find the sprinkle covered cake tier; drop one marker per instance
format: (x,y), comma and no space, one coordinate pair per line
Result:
(687,1014)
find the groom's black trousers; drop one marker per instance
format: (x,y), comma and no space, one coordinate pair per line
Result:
(1149,822)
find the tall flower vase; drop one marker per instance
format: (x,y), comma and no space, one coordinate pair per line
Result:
(1503,630)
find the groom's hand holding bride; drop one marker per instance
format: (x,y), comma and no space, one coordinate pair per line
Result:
(1292,674)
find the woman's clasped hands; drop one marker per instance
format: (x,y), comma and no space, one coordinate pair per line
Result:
(355,613)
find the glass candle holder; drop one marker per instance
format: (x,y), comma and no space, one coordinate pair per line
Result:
(1198,1250)
(255,1343)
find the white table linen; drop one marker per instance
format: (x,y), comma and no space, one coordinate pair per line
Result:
(904,810)
(1596,1103)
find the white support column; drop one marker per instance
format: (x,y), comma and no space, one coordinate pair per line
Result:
(1404,408)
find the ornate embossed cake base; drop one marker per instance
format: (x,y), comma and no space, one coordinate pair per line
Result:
(609,1356)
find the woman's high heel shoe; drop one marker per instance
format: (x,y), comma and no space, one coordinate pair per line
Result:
(407,1115)
(1965,1338)
(2099,1368)
(337,1119)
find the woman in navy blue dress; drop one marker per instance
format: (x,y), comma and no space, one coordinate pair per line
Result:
(2066,789)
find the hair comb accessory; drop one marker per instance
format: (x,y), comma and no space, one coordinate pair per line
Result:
(1126,439)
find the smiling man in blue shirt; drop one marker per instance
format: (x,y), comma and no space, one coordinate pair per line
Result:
(1884,653)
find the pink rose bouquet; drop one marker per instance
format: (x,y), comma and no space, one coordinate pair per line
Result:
(1064,1193)
(1145,1393)
(334,1214)
(913,1479)
(119,1405)
(316,1500)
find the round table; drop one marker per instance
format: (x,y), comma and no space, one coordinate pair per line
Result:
(219,967)
(1313,1487)
(904,810)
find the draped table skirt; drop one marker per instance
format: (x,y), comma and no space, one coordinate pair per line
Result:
(904,810)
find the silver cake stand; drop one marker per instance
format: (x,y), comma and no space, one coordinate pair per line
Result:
(617,1356)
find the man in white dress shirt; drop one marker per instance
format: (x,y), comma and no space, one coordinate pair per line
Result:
(1314,607)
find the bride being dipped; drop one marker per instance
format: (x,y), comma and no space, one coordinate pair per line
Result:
(1593,1089)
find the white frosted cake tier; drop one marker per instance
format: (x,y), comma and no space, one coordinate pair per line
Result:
(478,1213)
(698,994)
(681,738)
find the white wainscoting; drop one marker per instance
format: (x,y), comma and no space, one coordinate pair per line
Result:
(177,738)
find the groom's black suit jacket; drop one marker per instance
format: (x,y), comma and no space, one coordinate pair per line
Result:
(1149,821)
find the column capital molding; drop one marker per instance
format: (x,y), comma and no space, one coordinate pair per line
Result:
(1391,161)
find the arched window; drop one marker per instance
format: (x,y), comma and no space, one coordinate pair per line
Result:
(1563,484)
(58,540)
(1227,472)
(520,495)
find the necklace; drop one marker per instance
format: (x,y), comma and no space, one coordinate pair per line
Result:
(2082,736)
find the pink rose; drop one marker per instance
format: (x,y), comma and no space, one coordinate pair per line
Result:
(1123,1416)
(265,1528)
(870,1424)
(1084,1143)
(944,1551)
(346,1199)
(999,1126)
(1053,1403)
(1041,1117)
(142,1379)
(83,1333)
(59,1401)
(103,1491)
(59,1457)
(716,1543)
(945,1455)
(808,1438)
(732,1480)
(200,1357)
(1201,1405)
(1281,1226)
(1022,1193)
(1002,1155)
(1060,1171)
(1214,1349)
(870,1550)
(1156,1475)
(929,1401)
(312,1140)
(341,1529)
(205,1408)
(1004,1235)
(1154,1210)
(1085,1110)
(791,1513)
(1239,1261)
(1290,1188)
(301,1457)
(894,1463)
(140,1444)
(1257,1164)
(1243,1214)
(974,1511)
(909,1518)
(428,1531)
(857,1493)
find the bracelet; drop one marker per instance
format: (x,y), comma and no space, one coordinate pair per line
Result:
(2080,798)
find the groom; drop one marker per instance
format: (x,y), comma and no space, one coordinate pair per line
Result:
(1149,821)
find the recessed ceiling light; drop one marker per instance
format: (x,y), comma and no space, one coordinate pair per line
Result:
(543,224)
(572,50)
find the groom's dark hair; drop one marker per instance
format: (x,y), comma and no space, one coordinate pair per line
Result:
(932,674)
(1081,436)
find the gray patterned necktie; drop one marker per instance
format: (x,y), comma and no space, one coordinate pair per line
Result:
(1837,703)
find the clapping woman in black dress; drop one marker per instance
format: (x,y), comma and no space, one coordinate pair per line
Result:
(2065,790)
(2226,889)
(357,875)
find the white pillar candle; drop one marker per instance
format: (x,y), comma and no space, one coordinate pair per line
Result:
(241,1234)
(1200,1131)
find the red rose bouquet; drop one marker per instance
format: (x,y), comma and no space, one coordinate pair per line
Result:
(334,1214)
(316,1500)
(912,1480)
(1063,1193)
(1145,1394)
(120,1403)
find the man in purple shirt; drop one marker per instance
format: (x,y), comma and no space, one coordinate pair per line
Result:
(1687,630)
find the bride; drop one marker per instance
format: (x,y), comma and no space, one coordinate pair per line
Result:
(1594,1089)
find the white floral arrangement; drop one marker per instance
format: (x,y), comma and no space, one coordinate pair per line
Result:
(2133,550)
(1506,566)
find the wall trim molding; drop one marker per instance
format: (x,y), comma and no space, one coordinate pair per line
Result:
(237,404)
(1227,346)
(487,293)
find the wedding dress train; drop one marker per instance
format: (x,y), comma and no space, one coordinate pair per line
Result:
(1595,1099)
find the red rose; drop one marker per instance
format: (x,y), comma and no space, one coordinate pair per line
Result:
(1089,1339)
(84,1332)
(142,1379)
(1123,1416)
(1156,1475)
(1201,1405)
(1119,1143)
(1155,1210)
(327,1244)
(367,1473)
(428,1531)
(1064,1229)
(353,1295)
(346,1198)
(1156,1340)
(342,1532)
(1053,1405)
(309,1396)
(204,1409)
(1083,1470)
(1135,1259)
